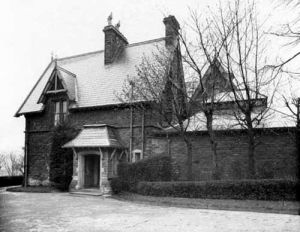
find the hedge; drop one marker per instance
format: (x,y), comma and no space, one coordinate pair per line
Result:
(10,180)
(157,168)
(235,189)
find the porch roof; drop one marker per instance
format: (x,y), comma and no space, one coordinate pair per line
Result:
(97,135)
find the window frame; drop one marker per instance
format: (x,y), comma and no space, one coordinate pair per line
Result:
(60,111)
(134,152)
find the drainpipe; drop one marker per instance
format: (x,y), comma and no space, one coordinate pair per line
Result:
(143,130)
(168,144)
(131,122)
(25,156)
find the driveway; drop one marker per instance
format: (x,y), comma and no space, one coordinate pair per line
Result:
(66,212)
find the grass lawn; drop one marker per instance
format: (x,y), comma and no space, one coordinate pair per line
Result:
(283,207)
(33,189)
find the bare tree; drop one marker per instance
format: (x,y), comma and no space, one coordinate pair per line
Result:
(294,108)
(291,33)
(2,161)
(232,39)
(160,80)
(160,83)
(244,57)
(201,54)
(13,163)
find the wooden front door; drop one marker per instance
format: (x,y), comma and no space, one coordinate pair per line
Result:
(91,171)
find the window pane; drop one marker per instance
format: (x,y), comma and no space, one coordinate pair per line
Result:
(64,109)
(56,119)
(59,84)
(57,108)
(137,156)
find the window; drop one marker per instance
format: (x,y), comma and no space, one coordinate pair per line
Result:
(137,155)
(60,112)
(115,163)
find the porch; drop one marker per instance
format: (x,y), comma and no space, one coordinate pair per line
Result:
(97,152)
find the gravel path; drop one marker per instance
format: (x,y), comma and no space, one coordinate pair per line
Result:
(66,212)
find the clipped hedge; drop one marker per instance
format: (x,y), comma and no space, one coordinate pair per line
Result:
(157,168)
(238,189)
(10,180)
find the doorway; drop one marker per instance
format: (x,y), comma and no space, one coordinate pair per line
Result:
(91,171)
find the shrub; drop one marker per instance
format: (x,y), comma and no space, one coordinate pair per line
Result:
(158,168)
(238,189)
(116,185)
(61,160)
(10,180)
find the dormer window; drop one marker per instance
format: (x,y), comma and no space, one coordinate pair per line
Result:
(60,112)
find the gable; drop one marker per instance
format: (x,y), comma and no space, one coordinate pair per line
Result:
(54,85)
(215,80)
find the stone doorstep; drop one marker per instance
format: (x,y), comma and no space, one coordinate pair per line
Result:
(91,192)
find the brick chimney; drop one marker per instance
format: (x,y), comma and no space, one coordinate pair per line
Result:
(114,41)
(172,27)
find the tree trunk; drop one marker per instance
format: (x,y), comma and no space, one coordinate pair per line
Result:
(251,148)
(189,150)
(213,143)
(298,158)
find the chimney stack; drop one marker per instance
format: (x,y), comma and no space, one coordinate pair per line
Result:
(114,41)
(172,27)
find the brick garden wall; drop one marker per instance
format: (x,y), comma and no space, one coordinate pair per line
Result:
(275,155)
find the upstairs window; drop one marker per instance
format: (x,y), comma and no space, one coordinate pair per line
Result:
(60,112)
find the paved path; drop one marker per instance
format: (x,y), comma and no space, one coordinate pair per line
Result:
(66,212)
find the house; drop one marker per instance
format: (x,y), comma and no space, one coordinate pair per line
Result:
(82,89)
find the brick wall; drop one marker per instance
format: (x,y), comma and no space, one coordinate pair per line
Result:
(275,155)
(38,158)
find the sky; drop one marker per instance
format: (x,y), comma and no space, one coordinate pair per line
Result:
(33,29)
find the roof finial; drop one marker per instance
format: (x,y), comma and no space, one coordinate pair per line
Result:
(109,18)
(52,56)
(55,62)
(118,25)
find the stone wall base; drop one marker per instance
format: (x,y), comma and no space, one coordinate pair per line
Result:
(36,182)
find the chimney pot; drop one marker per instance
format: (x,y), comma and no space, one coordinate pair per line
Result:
(172,26)
(114,42)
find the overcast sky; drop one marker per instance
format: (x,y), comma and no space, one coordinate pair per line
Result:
(31,29)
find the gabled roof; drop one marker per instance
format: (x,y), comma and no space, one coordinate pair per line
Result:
(98,135)
(97,84)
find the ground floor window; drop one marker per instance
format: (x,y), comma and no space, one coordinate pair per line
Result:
(137,155)
(115,167)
